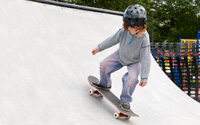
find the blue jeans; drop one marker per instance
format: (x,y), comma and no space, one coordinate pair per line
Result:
(130,79)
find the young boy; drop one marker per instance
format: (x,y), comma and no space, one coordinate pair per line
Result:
(133,52)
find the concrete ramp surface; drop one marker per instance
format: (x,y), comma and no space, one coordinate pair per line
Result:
(45,58)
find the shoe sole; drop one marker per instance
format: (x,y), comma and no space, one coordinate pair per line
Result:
(100,87)
(127,110)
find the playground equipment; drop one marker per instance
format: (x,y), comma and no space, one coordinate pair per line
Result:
(180,62)
(190,41)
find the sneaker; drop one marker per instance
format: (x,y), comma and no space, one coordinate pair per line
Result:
(97,85)
(125,106)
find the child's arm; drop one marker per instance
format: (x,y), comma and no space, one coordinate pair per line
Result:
(110,41)
(145,63)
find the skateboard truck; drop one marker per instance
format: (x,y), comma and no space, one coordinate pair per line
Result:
(117,115)
(91,92)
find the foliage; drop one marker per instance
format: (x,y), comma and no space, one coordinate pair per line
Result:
(176,18)
(118,5)
(172,19)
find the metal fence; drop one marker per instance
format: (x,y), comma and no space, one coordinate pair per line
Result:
(181,64)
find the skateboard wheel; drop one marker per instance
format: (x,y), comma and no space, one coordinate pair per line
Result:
(116,115)
(128,117)
(91,92)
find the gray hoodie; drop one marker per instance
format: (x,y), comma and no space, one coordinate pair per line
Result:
(137,51)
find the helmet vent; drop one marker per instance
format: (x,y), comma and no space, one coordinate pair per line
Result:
(135,7)
(137,12)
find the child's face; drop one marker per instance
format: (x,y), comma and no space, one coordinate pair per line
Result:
(132,28)
(135,29)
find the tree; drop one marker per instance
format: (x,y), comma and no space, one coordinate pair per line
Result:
(176,18)
(173,18)
(117,5)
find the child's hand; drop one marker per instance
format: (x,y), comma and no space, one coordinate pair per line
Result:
(94,51)
(142,84)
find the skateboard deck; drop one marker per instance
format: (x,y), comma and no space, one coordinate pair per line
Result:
(114,100)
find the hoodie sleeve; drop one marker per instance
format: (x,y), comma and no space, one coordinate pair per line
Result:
(110,41)
(145,56)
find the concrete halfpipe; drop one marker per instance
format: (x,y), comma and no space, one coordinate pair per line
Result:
(45,58)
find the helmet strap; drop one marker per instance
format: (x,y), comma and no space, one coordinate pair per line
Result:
(134,35)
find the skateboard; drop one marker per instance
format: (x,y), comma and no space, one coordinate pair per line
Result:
(114,100)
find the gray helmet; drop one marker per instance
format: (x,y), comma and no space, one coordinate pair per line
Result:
(135,15)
